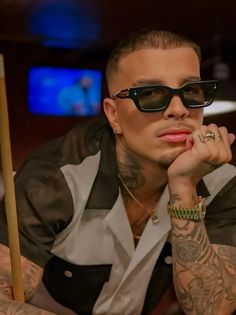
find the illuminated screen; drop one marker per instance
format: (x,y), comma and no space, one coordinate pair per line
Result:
(64,91)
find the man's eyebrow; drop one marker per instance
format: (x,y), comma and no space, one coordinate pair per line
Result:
(143,82)
(189,79)
(148,82)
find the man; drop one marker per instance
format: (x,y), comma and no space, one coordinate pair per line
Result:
(79,98)
(104,219)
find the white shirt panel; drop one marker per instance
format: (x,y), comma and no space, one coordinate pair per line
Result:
(126,295)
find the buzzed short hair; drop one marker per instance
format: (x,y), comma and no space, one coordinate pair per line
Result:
(147,39)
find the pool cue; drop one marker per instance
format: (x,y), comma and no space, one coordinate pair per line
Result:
(10,200)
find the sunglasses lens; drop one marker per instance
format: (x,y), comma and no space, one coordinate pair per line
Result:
(157,98)
(199,94)
(153,98)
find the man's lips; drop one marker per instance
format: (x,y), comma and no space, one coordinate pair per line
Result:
(175,135)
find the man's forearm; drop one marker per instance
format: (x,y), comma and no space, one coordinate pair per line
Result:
(32,275)
(203,284)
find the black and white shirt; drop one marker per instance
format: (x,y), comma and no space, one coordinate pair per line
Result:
(73,223)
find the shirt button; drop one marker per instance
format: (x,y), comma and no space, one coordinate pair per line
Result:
(68,273)
(168,260)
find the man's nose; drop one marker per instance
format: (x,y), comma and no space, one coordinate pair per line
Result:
(176,109)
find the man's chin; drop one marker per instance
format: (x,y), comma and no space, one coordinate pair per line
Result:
(166,160)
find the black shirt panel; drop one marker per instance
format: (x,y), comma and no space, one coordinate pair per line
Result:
(220,217)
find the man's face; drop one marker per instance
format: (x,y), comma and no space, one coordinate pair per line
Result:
(160,136)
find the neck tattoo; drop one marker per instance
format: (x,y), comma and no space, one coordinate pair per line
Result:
(153,216)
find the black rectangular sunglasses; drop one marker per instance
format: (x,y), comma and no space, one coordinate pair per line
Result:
(154,98)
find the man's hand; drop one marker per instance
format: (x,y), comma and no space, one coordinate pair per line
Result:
(206,149)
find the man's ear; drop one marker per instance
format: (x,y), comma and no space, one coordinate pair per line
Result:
(110,110)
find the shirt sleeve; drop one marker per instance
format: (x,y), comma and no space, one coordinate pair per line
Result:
(44,208)
(221,216)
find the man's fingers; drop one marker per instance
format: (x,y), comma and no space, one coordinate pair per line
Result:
(231,137)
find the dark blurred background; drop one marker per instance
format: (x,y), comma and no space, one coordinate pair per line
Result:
(81,33)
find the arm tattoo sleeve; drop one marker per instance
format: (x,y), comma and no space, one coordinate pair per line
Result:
(31,275)
(204,274)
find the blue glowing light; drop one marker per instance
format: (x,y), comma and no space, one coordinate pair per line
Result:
(65,23)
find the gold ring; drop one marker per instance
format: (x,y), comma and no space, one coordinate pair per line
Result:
(209,135)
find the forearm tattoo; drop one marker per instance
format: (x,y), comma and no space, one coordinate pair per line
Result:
(175,197)
(204,277)
(31,275)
